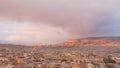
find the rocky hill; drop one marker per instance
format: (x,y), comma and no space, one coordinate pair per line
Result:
(104,41)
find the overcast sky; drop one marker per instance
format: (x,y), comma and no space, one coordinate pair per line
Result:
(51,21)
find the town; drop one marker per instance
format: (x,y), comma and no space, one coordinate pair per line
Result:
(55,57)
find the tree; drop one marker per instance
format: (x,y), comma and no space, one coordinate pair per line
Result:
(109,62)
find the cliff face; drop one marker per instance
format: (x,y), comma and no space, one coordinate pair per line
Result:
(104,41)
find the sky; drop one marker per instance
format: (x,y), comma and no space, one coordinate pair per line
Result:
(53,21)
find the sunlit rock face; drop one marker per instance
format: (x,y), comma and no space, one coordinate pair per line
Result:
(94,41)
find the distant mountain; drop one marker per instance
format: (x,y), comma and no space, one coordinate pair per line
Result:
(11,45)
(104,41)
(36,44)
(94,41)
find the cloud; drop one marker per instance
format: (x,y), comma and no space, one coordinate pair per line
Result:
(31,33)
(80,18)
(15,38)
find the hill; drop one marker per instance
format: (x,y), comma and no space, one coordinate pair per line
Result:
(103,41)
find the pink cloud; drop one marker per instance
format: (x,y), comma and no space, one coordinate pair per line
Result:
(78,17)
